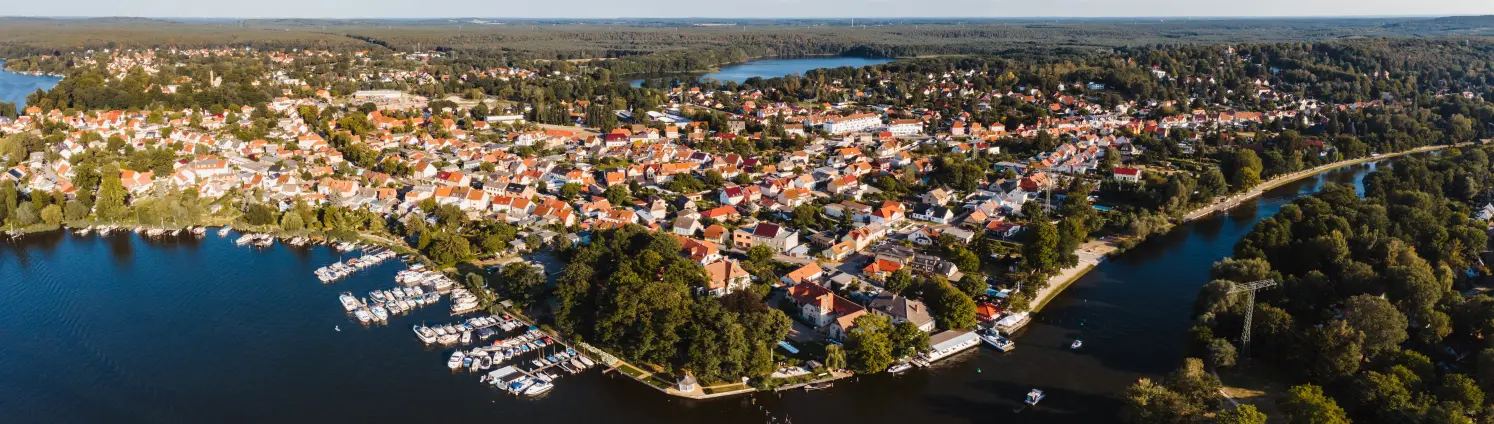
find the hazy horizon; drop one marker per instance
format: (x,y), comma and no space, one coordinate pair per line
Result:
(770,9)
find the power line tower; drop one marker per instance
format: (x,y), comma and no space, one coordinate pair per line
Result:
(1249,289)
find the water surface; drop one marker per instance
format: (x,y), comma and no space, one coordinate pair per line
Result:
(773,68)
(14,87)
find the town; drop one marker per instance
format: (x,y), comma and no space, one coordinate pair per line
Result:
(706,238)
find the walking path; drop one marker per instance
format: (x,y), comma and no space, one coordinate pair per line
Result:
(1094,252)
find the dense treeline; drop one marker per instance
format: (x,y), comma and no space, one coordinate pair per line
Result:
(634,294)
(1370,305)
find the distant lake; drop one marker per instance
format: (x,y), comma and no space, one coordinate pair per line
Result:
(15,87)
(773,68)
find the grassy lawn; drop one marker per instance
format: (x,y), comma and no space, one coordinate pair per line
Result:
(724,389)
(636,373)
(1258,385)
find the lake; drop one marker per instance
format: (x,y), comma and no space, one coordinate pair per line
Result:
(120,329)
(773,68)
(14,87)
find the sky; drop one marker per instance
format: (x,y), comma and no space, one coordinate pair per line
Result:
(742,9)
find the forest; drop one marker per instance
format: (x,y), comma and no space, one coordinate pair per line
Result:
(1379,315)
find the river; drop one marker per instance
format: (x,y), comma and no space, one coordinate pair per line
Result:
(125,330)
(14,87)
(773,68)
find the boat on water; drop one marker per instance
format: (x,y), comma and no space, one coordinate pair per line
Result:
(348,301)
(363,315)
(466,337)
(224,231)
(819,386)
(448,338)
(994,339)
(1034,396)
(1076,344)
(425,334)
(899,367)
(487,361)
(380,313)
(586,361)
(456,360)
(542,387)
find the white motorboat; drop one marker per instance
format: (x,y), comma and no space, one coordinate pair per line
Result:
(456,360)
(363,315)
(348,301)
(380,313)
(1034,396)
(425,334)
(1076,344)
(899,367)
(586,361)
(540,388)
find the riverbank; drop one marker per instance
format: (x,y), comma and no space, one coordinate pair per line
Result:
(1235,200)
(1092,253)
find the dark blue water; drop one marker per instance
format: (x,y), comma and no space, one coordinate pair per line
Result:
(773,68)
(124,330)
(15,87)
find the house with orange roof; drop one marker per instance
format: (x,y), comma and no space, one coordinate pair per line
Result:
(727,276)
(809,273)
(831,315)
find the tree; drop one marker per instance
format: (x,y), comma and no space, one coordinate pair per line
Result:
(74,210)
(1306,404)
(26,215)
(570,191)
(1018,302)
(899,281)
(1151,403)
(52,214)
(1040,253)
(867,346)
(111,201)
(1241,414)
(8,199)
(760,254)
(1383,327)
(972,284)
(1242,168)
(1221,353)
(1462,390)
(449,249)
(907,340)
(951,308)
(618,195)
(835,357)
(520,282)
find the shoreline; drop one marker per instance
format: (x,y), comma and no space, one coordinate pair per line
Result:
(1092,253)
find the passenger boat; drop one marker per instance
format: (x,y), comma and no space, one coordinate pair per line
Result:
(994,339)
(1034,396)
(348,301)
